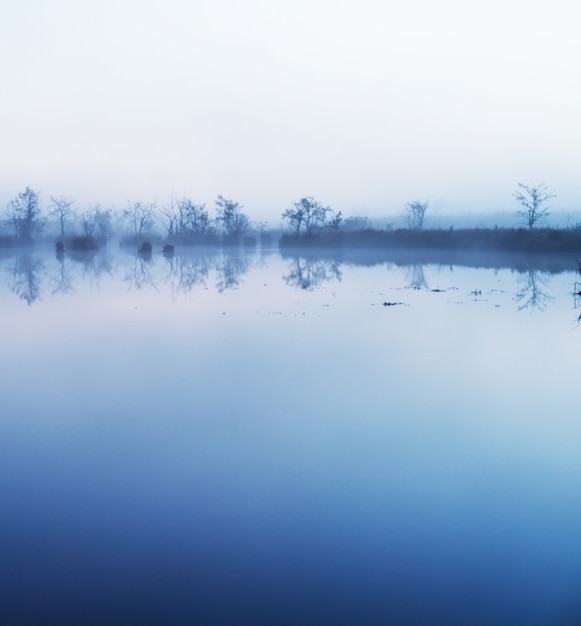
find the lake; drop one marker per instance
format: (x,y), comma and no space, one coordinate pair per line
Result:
(254,438)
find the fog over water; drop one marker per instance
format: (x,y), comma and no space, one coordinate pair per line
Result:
(254,438)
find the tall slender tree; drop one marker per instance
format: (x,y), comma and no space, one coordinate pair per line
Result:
(25,214)
(533,199)
(62,210)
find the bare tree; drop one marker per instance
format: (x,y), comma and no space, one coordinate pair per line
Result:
(89,222)
(140,217)
(186,218)
(172,217)
(533,198)
(415,212)
(24,213)
(62,210)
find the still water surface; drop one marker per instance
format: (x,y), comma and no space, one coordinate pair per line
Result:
(248,438)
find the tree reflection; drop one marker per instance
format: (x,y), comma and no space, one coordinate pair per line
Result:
(184,273)
(230,270)
(25,275)
(139,275)
(532,295)
(417,280)
(63,281)
(577,299)
(309,273)
(94,265)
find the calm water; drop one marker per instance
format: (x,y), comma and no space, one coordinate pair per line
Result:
(252,439)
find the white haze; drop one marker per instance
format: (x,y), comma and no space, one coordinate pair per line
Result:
(365,104)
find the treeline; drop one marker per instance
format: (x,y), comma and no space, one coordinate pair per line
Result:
(307,223)
(181,221)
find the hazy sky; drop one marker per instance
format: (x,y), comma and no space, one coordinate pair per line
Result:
(364,104)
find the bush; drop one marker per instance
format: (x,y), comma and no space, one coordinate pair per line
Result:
(84,243)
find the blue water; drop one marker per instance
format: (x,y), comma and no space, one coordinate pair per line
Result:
(251,439)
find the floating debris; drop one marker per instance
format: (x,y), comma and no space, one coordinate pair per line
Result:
(392,303)
(438,290)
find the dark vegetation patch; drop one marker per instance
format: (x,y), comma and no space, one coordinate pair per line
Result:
(525,240)
(83,243)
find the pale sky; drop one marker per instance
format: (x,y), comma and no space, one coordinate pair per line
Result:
(363,104)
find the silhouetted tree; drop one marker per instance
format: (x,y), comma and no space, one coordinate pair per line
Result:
(62,210)
(307,216)
(533,198)
(184,217)
(415,212)
(232,222)
(140,217)
(195,217)
(88,221)
(172,217)
(24,214)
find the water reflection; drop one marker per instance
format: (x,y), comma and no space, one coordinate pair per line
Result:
(308,274)
(417,280)
(63,281)
(363,466)
(26,273)
(230,270)
(184,271)
(94,266)
(577,298)
(533,294)
(139,273)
